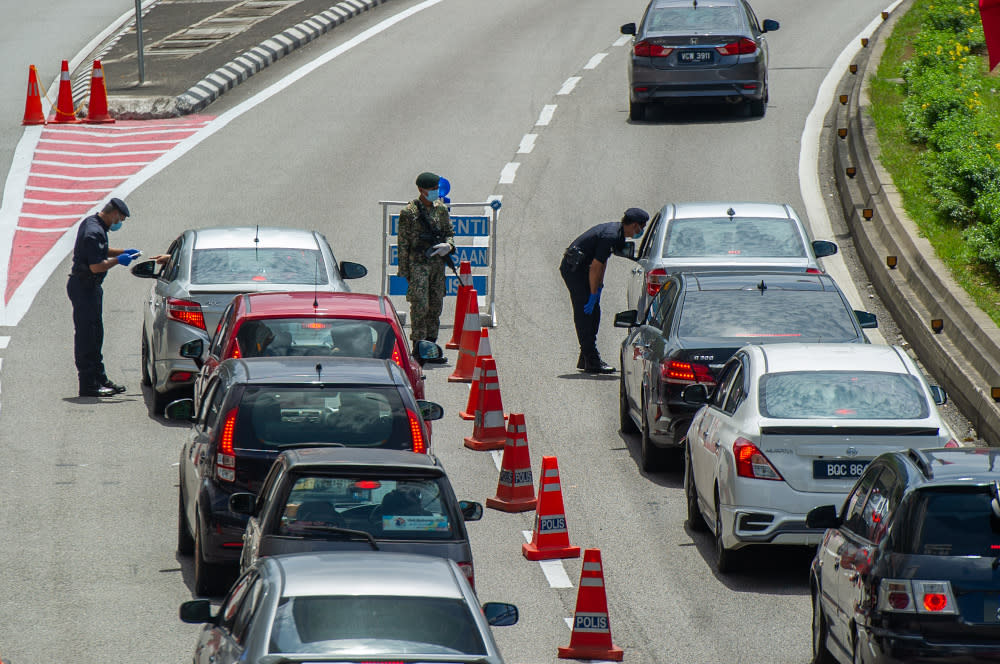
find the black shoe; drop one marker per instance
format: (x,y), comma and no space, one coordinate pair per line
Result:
(599,367)
(106,382)
(581,363)
(97,391)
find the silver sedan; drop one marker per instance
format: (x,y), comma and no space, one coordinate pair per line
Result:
(206,268)
(792,426)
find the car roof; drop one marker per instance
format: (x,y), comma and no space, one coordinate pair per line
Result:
(833,357)
(717,209)
(242,237)
(367,573)
(748,280)
(329,305)
(958,465)
(333,370)
(316,458)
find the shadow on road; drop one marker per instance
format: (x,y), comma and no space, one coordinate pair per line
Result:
(696,114)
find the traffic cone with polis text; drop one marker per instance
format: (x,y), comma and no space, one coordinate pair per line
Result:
(484,352)
(591,638)
(97,108)
(550,538)
(65,113)
(488,432)
(515,487)
(461,304)
(33,114)
(471,326)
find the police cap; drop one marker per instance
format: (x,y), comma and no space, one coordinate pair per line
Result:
(635,216)
(428,180)
(119,205)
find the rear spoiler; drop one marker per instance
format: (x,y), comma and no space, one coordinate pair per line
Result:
(851,431)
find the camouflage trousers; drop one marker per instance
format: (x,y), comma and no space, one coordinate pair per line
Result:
(426,297)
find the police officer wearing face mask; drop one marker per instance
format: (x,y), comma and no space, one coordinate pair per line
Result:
(92,258)
(582,269)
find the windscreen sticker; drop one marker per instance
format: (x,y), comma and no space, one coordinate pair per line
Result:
(421,523)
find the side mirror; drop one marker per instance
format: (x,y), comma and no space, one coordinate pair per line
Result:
(628,29)
(349,270)
(145,270)
(695,394)
(628,251)
(626,318)
(940,396)
(471,510)
(500,614)
(429,410)
(770,25)
(428,351)
(824,516)
(197,611)
(866,320)
(193,350)
(824,248)
(242,503)
(181,410)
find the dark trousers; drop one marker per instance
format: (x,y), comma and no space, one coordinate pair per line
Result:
(88,329)
(578,284)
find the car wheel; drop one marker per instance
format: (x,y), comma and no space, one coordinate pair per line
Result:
(627,423)
(650,455)
(821,654)
(146,380)
(636,110)
(185,543)
(206,574)
(695,520)
(725,559)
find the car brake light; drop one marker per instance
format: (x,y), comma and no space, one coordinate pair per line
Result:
(416,433)
(470,574)
(744,46)
(225,460)
(397,357)
(181,376)
(899,595)
(645,49)
(952,443)
(654,280)
(812,270)
(673,371)
(185,311)
(751,462)
(366,484)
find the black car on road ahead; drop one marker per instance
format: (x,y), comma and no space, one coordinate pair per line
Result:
(251,410)
(696,322)
(909,570)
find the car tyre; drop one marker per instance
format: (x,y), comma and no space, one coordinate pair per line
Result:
(206,575)
(637,111)
(726,560)
(695,520)
(185,543)
(821,654)
(651,456)
(144,354)
(627,423)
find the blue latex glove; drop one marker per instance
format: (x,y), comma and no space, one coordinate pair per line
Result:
(125,259)
(592,301)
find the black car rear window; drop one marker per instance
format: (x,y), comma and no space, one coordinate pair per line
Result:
(283,337)
(783,315)
(687,19)
(257,266)
(272,416)
(950,521)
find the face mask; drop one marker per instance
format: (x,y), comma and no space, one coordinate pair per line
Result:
(115,226)
(432,195)
(637,235)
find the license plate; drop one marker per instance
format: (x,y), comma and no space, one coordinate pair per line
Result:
(695,56)
(839,470)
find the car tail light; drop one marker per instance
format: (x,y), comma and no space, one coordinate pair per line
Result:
(185,311)
(744,46)
(812,270)
(181,376)
(673,371)
(906,596)
(397,357)
(225,460)
(645,49)
(417,433)
(654,280)
(470,574)
(952,443)
(751,462)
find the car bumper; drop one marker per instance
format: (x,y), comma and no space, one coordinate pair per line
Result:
(167,342)
(223,532)
(743,526)
(886,648)
(741,82)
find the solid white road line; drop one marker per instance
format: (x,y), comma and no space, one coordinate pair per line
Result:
(497,458)
(624,39)
(545,116)
(3,342)
(553,570)
(568,86)
(527,144)
(509,172)
(594,61)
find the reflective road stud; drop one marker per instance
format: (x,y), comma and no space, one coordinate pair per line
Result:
(591,637)
(515,488)
(550,538)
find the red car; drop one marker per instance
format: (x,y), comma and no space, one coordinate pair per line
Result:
(308,324)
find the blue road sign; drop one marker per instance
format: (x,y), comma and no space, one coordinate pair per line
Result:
(477,256)
(465,225)
(398,286)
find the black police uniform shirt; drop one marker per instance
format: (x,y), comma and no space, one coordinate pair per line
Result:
(599,242)
(91,248)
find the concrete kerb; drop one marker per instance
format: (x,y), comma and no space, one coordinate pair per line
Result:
(965,357)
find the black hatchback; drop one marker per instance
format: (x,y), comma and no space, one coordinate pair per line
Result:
(696,322)
(254,408)
(909,571)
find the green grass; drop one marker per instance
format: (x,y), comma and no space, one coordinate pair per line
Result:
(901,158)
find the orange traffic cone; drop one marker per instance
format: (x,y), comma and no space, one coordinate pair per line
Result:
(551,537)
(33,114)
(488,432)
(97,108)
(515,488)
(483,352)
(461,304)
(65,113)
(591,637)
(471,327)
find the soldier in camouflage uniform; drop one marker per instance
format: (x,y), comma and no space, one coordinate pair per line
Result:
(423,250)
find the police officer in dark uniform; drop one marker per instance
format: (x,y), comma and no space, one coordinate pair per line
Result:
(92,258)
(582,269)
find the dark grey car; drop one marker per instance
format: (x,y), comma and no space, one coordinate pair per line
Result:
(700,50)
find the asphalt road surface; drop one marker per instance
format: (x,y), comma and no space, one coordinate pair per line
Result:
(90,574)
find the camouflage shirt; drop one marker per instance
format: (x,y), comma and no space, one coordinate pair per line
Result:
(411,246)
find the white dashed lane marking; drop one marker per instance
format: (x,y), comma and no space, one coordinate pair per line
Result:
(509,172)
(545,116)
(624,39)
(527,144)
(553,570)
(568,86)
(3,342)
(594,61)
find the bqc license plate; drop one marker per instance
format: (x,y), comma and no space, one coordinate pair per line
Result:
(695,56)
(839,470)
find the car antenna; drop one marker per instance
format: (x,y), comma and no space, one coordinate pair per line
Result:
(256,242)
(316,288)
(319,372)
(731,212)
(762,287)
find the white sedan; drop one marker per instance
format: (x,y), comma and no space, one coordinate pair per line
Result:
(792,426)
